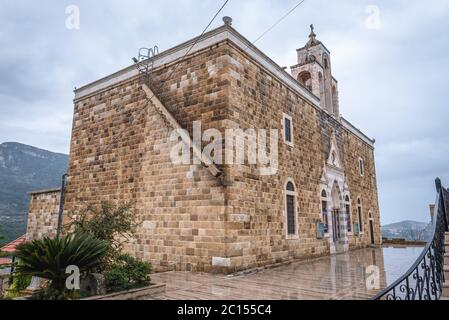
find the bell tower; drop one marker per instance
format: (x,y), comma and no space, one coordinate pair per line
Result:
(314,71)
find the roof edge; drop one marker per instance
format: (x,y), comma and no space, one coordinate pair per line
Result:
(32,193)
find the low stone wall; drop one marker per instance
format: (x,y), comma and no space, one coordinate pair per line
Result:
(135,294)
(403,242)
(43,214)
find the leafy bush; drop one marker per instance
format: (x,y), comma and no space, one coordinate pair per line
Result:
(128,273)
(113,224)
(52,294)
(49,258)
(20,281)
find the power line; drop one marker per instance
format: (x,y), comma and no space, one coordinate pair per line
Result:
(199,38)
(279,21)
(175,68)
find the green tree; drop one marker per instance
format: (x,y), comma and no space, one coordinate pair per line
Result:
(114,224)
(111,223)
(49,258)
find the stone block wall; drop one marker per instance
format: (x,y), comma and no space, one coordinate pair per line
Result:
(43,214)
(120,152)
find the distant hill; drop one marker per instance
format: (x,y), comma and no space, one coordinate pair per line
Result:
(408,230)
(23,169)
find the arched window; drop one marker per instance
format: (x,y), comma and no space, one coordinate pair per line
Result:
(348,213)
(324,214)
(305,78)
(360,214)
(290,208)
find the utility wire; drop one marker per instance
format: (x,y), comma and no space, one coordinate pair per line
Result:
(279,21)
(175,68)
(199,38)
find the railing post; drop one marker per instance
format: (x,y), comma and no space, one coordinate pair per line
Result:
(442,193)
(438,184)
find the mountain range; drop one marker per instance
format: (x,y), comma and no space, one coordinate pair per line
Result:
(408,230)
(23,169)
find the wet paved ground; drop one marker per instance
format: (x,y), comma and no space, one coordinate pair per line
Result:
(340,277)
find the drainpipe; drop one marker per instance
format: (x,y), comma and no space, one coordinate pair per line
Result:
(61,205)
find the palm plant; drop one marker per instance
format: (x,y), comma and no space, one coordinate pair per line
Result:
(48,258)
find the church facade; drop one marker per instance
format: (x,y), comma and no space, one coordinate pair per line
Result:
(223,217)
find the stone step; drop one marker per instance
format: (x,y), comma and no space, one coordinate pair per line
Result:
(446,259)
(446,272)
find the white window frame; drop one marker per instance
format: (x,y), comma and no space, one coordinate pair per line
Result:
(295,195)
(350,214)
(284,133)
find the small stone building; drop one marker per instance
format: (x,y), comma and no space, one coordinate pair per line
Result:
(320,198)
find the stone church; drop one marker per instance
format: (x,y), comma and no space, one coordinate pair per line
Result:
(212,217)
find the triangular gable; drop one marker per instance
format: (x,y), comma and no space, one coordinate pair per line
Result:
(333,158)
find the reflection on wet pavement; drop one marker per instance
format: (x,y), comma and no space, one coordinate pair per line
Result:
(350,276)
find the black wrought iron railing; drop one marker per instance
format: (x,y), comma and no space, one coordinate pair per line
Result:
(425,279)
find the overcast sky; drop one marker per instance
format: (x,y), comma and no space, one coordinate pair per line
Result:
(390,58)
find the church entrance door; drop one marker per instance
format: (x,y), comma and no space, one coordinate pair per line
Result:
(336,225)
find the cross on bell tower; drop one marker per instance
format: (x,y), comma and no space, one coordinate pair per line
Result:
(314,72)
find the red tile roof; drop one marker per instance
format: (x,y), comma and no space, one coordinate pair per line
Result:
(4,261)
(11,247)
